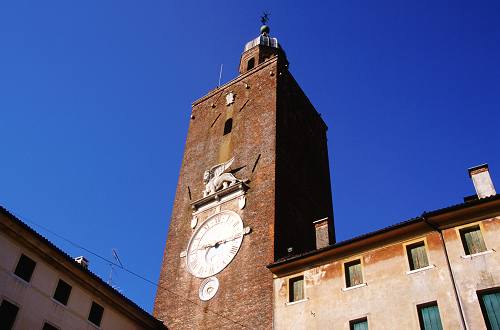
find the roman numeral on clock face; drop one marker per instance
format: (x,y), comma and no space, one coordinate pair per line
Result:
(234,249)
(193,263)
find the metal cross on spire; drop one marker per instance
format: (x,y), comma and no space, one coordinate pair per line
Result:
(265,18)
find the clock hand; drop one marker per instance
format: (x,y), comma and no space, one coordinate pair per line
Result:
(232,238)
(219,242)
(206,246)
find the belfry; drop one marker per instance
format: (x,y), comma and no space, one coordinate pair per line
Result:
(254,178)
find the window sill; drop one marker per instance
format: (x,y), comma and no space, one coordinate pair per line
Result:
(354,287)
(469,256)
(21,280)
(58,303)
(95,326)
(420,269)
(296,302)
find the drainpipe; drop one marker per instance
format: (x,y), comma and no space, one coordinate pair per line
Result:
(455,289)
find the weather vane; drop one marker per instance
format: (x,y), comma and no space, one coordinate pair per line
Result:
(265,18)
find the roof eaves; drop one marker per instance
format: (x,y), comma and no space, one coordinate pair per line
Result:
(345,242)
(421,218)
(456,207)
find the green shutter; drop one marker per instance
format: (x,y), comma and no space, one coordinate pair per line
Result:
(429,318)
(418,257)
(361,325)
(492,306)
(474,241)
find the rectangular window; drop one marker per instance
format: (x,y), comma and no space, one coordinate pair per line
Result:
(490,306)
(48,326)
(62,292)
(361,324)
(296,288)
(8,313)
(417,256)
(353,274)
(428,316)
(25,267)
(95,315)
(472,240)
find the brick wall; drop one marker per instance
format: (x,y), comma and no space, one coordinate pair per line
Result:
(245,292)
(279,144)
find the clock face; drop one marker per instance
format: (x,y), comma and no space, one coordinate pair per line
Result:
(214,244)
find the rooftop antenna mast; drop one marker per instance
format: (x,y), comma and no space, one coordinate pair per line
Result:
(220,75)
(117,259)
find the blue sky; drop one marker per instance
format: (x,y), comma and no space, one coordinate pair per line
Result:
(95,100)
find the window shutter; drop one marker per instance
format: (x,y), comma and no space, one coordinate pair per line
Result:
(355,274)
(419,257)
(475,241)
(363,325)
(430,319)
(472,240)
(298,290)
(492,306)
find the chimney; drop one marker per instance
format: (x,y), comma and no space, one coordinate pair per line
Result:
(482,181)
(321,228)
(82,261)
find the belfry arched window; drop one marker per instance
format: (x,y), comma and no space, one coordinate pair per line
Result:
(250,63)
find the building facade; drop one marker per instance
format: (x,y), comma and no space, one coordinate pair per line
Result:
(438,271)
(41,287)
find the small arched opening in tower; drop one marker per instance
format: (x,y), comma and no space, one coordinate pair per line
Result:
(250,63)
(228,126)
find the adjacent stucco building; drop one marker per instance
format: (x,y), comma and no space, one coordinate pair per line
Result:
(41,287)
(440,270)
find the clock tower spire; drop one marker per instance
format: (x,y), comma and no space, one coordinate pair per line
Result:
(254,178)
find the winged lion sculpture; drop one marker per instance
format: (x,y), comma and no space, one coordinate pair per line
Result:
(216,178)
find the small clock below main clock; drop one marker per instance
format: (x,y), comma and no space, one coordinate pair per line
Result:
(214,244)
(208,288)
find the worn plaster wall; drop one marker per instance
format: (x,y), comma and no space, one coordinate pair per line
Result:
(388,300)
(476,272)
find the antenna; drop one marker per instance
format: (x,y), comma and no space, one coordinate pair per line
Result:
(114,253)
(220,74)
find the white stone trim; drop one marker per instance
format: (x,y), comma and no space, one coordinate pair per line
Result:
(296,302)
(469,256)
(420,269)
(355,287)
(218,198)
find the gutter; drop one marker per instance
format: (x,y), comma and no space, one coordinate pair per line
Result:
(434,227)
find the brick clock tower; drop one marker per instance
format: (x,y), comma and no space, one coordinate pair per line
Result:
(253,179)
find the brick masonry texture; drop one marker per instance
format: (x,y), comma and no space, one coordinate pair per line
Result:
(275,129)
